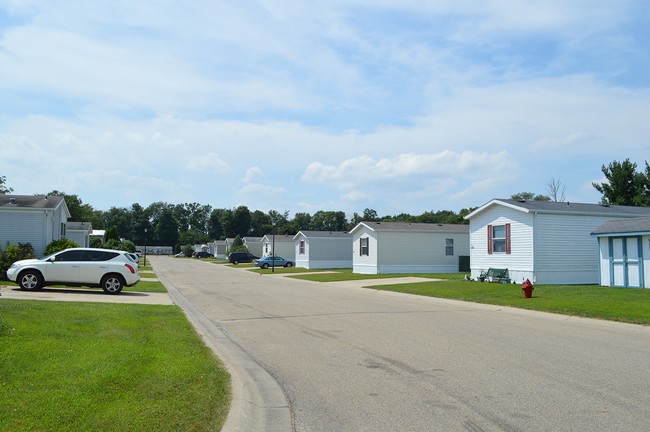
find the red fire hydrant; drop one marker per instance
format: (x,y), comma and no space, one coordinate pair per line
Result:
(527,288)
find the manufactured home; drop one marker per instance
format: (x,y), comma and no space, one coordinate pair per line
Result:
(34,219)
(543,241)
(323,249)
(393,247)
(280,245)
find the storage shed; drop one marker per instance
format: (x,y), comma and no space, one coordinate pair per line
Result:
(393,247)
(624,246)
(323,249)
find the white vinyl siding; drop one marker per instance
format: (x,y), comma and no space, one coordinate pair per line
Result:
(325,252)
(565,250)
(520,260)
(408,251)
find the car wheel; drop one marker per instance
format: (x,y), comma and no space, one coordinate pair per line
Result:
(235,262)
(112,284)
(265,265)
(289,264)
(30,280)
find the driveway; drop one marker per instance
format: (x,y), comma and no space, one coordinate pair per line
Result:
(336,357)
(84,295)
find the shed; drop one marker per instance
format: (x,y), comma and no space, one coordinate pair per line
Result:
(34,219)
(323,249)
(393,247)
(544,241)
(285,246)
(624,246)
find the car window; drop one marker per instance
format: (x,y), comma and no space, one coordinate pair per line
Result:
(93,255)
(72,255)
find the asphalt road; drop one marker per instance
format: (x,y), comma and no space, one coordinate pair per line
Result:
(334,357)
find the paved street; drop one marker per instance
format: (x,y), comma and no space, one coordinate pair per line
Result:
(336,357)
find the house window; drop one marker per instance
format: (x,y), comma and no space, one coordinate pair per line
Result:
(302,247)
(449,247)
(363,246)
(63,230)
(499,238)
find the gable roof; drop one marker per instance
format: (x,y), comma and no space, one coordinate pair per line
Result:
(629,226)
(323,234)
(413,227)
(79,226)
(33,202)
(278,237)
(552,207)
(252,239)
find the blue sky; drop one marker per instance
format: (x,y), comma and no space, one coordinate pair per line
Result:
(401,107)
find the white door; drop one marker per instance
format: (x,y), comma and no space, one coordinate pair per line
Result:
(626,262)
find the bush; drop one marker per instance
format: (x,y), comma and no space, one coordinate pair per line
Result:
(188,250)
(59,245)
(122,245)
(12,253)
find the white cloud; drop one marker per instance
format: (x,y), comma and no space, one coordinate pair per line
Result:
(209,162)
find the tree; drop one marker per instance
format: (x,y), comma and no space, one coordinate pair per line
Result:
(166,228)
(529,196)
(329,221)
(4,189)
(556,189)
(241,220)
(623,184)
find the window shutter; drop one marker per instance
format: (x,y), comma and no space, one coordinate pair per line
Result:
(489,240)
(361,247)
(507,238)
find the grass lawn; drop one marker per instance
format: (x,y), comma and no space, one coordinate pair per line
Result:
(109,367)
(616,304)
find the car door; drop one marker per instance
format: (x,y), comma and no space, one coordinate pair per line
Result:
(64,267)
(94,265)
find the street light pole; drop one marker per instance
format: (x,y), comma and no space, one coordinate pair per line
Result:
(145,247)
(273,251)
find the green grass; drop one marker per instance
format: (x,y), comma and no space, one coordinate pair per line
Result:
(110,367)
(337,275)
(593,301)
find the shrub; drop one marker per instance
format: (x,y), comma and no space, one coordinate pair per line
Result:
(12,253)
(187,250)
(59,245)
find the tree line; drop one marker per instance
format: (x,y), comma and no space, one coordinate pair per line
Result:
(166,224)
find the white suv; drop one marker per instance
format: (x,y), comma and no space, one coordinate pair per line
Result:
(110,269)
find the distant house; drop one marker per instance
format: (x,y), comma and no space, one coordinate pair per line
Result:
(285,246)
(218,248)
(323,249)
(98,234)
(392,247)
(254,245)
(543,241)
(79,232)
(36,219)
(624,246)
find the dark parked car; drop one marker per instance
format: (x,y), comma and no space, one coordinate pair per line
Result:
(203,254)
(241,257)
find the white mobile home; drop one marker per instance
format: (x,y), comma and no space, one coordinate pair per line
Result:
(624,246)
(36,219)
(254,245)
(285,246)
(543,241)
(323,249)
(79,232)
(392,247)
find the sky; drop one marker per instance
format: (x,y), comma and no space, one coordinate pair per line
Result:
(340,105)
